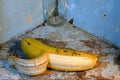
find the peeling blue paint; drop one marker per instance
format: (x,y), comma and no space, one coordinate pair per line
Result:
(98,17)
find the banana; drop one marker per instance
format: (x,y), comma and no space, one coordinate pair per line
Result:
(71,63)
(33,66)
(60,59)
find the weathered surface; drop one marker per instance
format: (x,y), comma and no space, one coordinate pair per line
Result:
(98,17)
(19,16)
(65,36)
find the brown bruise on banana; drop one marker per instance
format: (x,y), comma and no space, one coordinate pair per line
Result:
(75,53)
(67,52)
(28,43)
(71,52)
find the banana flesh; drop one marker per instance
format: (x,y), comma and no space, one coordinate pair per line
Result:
(71,63)
(33,66)
(60,59)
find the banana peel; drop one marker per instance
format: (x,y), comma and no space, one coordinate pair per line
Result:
(60,59)
(35,66)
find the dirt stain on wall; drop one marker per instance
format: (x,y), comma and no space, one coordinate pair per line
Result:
(28,18)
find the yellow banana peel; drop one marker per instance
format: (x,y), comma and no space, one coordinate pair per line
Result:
(59,59)
(33,66)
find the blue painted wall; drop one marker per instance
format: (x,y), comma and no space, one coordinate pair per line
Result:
(98,17)
(17,16)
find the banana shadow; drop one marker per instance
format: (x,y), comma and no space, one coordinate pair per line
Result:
(117,59)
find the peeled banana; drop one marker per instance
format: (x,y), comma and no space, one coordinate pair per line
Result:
(34,66)
(60,59)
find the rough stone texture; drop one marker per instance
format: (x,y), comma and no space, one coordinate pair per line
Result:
(66,36)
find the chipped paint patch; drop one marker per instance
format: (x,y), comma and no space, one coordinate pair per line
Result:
(28,19)
(117,29)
